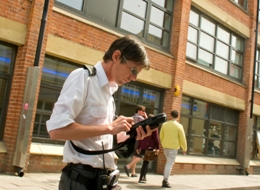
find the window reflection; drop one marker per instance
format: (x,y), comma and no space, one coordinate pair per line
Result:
(136,6)
(221,65)
(3,87)
(76,4)
(196,145)
(5,58)
(132,24)
(211,133)
(198,127)
(214,46)
(208,26)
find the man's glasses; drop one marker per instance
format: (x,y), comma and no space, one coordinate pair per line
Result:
(133,70)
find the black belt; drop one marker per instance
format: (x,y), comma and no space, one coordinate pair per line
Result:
(88,168)
(87,180)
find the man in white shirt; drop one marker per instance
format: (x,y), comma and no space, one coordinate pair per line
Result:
(85,111)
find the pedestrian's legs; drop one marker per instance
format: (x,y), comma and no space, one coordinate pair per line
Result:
(170,155)
(143,170)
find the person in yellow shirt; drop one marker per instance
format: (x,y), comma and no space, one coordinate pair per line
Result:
(172,137)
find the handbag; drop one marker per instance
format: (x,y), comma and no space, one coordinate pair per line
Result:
(150,155)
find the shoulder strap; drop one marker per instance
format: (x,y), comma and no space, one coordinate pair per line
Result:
(96,152)
(91,70)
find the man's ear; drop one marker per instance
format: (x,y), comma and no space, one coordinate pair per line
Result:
(116,55)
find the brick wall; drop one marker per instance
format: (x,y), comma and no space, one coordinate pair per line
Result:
(45,163)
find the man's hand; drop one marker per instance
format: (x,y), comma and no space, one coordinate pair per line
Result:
(141,134)
(121,124)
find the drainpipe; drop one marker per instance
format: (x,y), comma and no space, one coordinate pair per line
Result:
(253,78)
(246,158)
(24,128)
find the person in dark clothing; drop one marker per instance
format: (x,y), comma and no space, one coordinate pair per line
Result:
(150,142)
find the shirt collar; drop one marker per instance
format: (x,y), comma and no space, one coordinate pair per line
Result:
(103,80)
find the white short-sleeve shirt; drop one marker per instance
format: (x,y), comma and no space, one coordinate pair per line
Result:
(86,100)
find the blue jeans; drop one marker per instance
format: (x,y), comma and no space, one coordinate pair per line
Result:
(170,155)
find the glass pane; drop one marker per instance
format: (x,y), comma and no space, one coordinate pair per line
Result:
(137,7)
(160,18)
(236,58)
(232,116)
(166,39)
(5,59)
(105,11)
(76,4)
(235,71)
(151,98)
(221,65)
(213,147)
(223,35)
(132,24)
(2,91)
(48,96)
(230,133)
(164,3)
(205,58)
(155,34)
(198,127)
(208,26)
(229,149)
(217,113)
(194,18)
(215,129)
(193,35)
(258,123)
(56,71)
(191,51)
(185,123)
(197,145)
(200,109)
(241,3)
(130,93)
(237,43)
(222,50)
(206,42)
(186,105)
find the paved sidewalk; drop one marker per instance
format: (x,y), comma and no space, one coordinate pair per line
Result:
(49,181)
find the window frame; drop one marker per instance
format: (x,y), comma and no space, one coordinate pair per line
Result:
(120,10)
(214,54)
(208,120)
(9,78)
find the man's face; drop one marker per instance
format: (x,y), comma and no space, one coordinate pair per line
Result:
(124,73)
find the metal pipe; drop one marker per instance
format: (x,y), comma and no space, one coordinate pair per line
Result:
(41,33)
(253,78)
(19,171)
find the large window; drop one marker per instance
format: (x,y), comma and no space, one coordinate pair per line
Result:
(149,19)
(214,46)
(210,129)
(54,73)
(7,59)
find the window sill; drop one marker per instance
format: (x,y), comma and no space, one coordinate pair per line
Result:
(205,160)
(46,149)
(3,148)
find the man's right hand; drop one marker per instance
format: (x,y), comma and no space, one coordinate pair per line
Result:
(120,124)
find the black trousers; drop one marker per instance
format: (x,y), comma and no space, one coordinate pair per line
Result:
(144,170)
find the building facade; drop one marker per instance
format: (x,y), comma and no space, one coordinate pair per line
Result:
(204,58)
